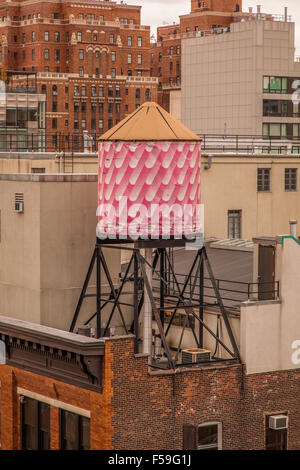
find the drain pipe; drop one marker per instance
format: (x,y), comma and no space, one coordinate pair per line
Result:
(147,320)
(293,228)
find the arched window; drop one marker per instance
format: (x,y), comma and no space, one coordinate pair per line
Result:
(54,90)
(44,89)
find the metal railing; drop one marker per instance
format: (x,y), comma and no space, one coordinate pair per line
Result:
(233,293)
(250,144)
(21,140)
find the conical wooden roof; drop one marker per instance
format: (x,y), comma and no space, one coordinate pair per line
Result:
(149,122)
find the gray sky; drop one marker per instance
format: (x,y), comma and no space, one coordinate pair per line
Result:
(156,12)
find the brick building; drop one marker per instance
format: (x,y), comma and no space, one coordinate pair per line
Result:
(92,59)
(206,17)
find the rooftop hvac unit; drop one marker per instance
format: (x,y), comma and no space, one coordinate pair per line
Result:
(278,422)
(19,207)
(195,355)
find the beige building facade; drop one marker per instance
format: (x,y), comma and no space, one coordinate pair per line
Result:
(46,247)
(241,81)
(230,182)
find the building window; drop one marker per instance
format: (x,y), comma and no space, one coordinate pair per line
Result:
(118,108)
(67,36)
(38,170)
(54,90)
(139,41)
(76,90)
(129,58)
(93,108)
(81,71)
(54,106)
(276,439)
(113,56)
(234,224)
(83,124)
(46,54)
(46,36)
(23,38)
(263,179)
(110,91)
(54,123)
(83,90)
(32,54)
(101,108)
(138,93)
(81,54)
(118,92)
(46,69)
(101,91)
(75,431)
(57,36)
(56,55)
(33,36)
(129,41)
(35,423)
(113,73)
(93,90)
(275,108)
(139,59)
(275,130)
(160,57)
(111,39)
(290,179)
(148,94)
(95,37)
(83,107)
(79,36)
(100,124)
(171,50)
(275,85)
(129,73)
(178,50)
(209,436)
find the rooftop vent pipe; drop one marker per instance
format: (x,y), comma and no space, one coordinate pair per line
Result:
(285,14)
(258,10)
(293,228)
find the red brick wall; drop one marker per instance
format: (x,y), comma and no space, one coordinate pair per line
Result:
(91,46)
(99,404)
(150,410)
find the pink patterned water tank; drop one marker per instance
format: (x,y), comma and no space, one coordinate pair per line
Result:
(149,189)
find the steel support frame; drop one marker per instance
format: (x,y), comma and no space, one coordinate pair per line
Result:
(164,275)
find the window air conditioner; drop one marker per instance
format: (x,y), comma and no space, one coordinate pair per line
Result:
(278,422)
(19,207)
(195,355)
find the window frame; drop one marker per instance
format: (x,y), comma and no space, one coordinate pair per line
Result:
(288,179)
(263,171)
(220,435)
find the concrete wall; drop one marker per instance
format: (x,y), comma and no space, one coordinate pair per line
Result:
(270,330)
(231,184)
(45,251)
(222,76)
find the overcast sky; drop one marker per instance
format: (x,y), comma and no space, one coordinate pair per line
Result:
(159,12)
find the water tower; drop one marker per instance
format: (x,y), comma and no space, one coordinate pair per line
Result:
(149,204)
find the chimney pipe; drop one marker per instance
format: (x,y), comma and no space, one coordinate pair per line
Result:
(293,228)
(285,14)
(258,10)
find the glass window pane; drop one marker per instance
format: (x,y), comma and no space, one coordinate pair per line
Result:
(208,435)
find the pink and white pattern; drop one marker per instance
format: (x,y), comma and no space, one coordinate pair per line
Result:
(149,174)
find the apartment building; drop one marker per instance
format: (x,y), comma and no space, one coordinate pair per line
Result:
(206,17)
(22,113)
(243,81)
(91,58)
